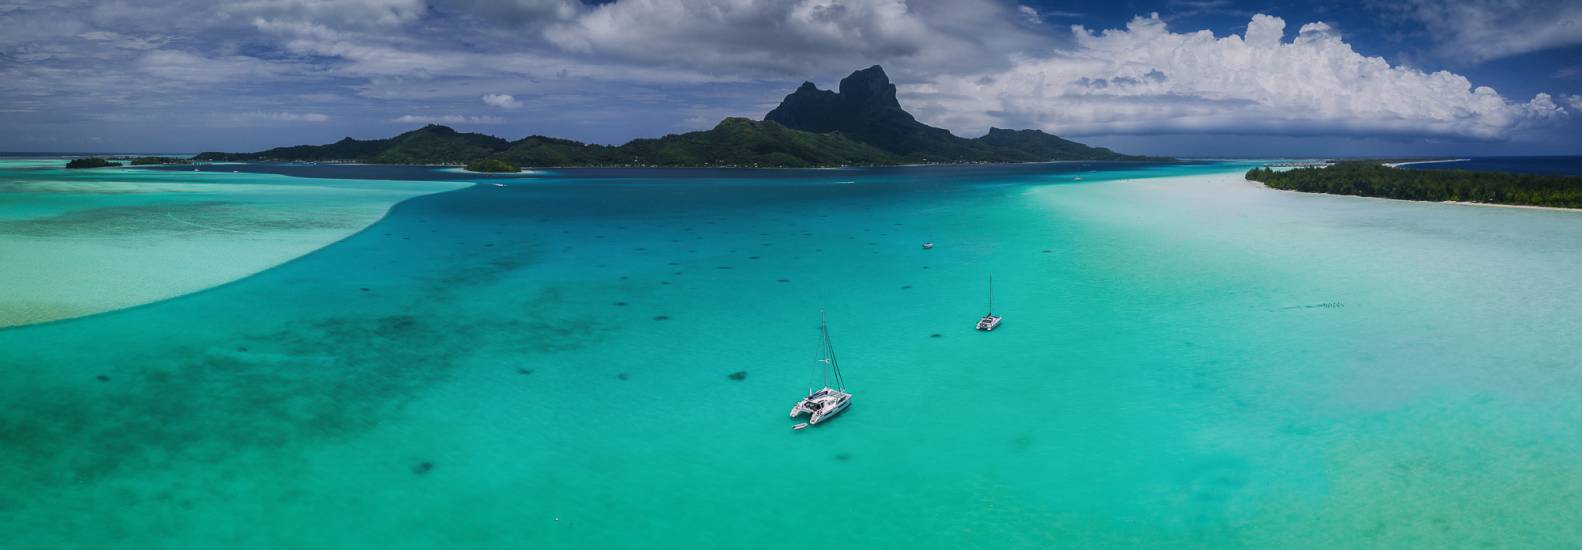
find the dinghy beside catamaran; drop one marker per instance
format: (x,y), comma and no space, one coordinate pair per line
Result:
(989,321)
(824,403)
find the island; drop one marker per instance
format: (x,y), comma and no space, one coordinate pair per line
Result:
(90,162)
(862,124)
(149,161)
(1371,179)
(492,165)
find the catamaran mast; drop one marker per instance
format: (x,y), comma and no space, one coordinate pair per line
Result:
(829,354)
(991,295)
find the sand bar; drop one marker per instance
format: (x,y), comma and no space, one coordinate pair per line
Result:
(75,243)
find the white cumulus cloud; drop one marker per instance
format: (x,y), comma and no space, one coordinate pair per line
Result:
(1145,79)
(1030,14)
(246,119)
(378,14)
(503,101)
(292,117)
(449,119)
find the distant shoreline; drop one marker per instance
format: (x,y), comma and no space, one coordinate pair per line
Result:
(462,168)
(1457,203)
(1400,164)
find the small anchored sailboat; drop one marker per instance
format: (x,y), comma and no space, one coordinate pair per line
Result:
(929,244)
(824,403)
(990,320)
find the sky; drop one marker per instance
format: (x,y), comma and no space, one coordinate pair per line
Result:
(1174,77)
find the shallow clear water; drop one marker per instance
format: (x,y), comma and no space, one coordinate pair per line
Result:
(78,242)
(1185,361)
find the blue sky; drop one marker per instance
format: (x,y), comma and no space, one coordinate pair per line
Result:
(1182,77)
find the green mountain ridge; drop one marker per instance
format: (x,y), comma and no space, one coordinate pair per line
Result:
(866,108)
(862,124)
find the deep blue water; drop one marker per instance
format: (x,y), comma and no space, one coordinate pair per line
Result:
(1566,166)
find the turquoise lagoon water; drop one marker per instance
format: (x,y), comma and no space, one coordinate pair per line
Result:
(1187,359)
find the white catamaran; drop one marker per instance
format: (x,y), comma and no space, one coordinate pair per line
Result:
(822,404)
(989,321)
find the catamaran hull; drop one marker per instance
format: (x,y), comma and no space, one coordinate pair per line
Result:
(825,415)
(825,403)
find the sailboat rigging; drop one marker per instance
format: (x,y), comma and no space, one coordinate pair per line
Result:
(821,404)
(989,320)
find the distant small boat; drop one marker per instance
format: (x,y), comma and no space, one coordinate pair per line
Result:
(829,401)
(929,244)
(990,320)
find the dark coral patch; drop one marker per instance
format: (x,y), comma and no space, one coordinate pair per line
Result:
(738,375)
(423,468)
